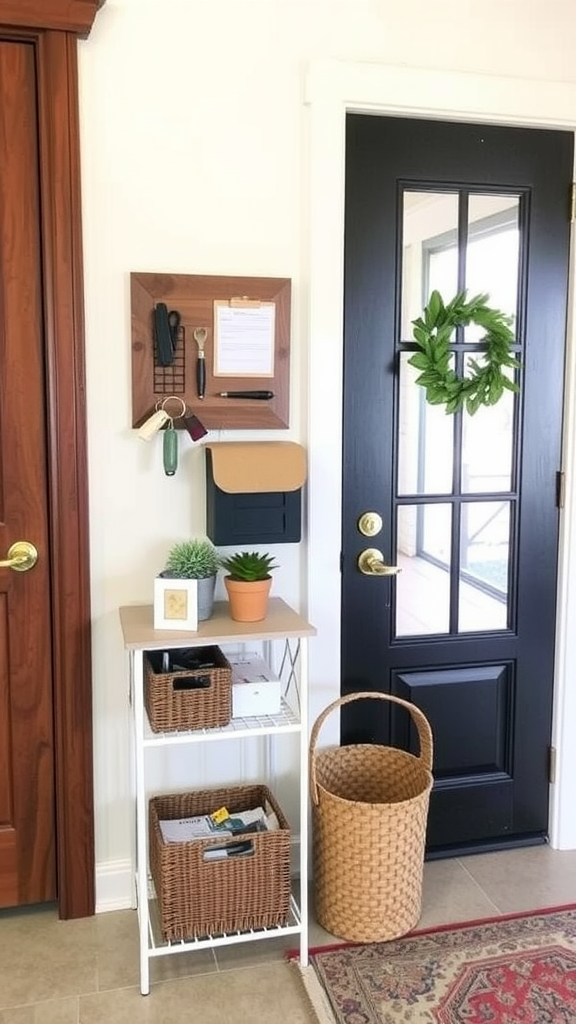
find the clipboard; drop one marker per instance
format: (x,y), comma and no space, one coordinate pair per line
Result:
(244,335)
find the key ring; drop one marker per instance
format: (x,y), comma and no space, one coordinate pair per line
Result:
(172,398)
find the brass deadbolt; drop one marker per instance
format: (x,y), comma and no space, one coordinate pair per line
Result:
(370,523)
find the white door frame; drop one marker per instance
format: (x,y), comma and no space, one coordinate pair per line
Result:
(332,89)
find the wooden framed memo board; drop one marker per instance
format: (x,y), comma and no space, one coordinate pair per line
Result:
(242,325)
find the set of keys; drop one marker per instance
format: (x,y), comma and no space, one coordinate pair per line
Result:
(162,420)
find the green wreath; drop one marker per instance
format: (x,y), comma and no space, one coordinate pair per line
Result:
(432,332)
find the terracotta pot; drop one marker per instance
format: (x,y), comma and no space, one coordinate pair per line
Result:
(248,601)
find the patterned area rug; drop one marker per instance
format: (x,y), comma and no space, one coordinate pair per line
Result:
(513,970)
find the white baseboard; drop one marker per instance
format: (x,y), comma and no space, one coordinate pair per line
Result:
(115,886)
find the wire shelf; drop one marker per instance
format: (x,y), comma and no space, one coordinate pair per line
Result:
(259,725)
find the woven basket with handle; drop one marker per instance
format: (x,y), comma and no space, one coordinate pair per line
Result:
(369,815)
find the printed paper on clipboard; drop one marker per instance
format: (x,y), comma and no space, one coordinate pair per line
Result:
(244,334)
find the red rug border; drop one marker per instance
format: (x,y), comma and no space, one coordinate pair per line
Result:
(294,954)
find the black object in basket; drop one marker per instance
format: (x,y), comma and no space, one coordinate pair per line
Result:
(195,693)
(200,896)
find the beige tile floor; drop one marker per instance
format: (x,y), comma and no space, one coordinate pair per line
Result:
(86,972)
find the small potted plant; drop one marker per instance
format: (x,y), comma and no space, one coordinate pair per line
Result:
(248,583)
(195,559)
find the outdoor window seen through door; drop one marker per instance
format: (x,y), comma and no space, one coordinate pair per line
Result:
(456,488)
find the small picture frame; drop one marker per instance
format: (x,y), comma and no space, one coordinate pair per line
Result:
(175,604)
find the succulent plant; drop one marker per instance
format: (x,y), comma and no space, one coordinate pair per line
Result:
(195,559)
(248,566)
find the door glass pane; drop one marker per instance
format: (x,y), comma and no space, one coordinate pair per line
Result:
(423,586)
(484,562)
(425,439)
(425,445)
(430,227)
(493,253)
(487,445)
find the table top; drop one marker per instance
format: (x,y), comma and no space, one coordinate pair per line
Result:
(281,621)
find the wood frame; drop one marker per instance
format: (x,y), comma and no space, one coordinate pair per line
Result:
(58,15)
(52,25)
(194,296)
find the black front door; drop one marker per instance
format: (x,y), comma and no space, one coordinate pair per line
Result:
(466,506)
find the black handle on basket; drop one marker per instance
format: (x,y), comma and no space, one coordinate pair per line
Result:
(418,717)
(191,682)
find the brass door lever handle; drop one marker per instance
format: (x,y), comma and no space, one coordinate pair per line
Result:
(371,563)
(22,556)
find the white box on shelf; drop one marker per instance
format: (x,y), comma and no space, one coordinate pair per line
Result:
(175,603)
(256,690)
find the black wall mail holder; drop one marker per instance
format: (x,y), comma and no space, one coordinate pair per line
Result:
(254,492)
(230,360)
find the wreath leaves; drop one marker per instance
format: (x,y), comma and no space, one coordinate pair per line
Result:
(432,332)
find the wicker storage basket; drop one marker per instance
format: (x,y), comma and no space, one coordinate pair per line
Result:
(189,698)
(199,897)
(369,815)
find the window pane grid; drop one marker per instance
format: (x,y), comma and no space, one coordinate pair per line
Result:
(455,486)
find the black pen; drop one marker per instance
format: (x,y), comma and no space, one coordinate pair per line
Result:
(246,394)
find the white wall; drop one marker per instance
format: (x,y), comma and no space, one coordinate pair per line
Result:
(196,153)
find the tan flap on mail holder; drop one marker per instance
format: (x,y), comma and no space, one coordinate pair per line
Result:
(258,466)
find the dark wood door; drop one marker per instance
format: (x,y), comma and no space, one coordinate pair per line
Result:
(27,819)
(468,504)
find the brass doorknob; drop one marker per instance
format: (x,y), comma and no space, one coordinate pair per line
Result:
(371,563)
(22,556)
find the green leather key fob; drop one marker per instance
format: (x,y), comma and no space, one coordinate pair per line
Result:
(170,449)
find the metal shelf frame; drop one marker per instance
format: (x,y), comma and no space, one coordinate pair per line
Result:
(281,624)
